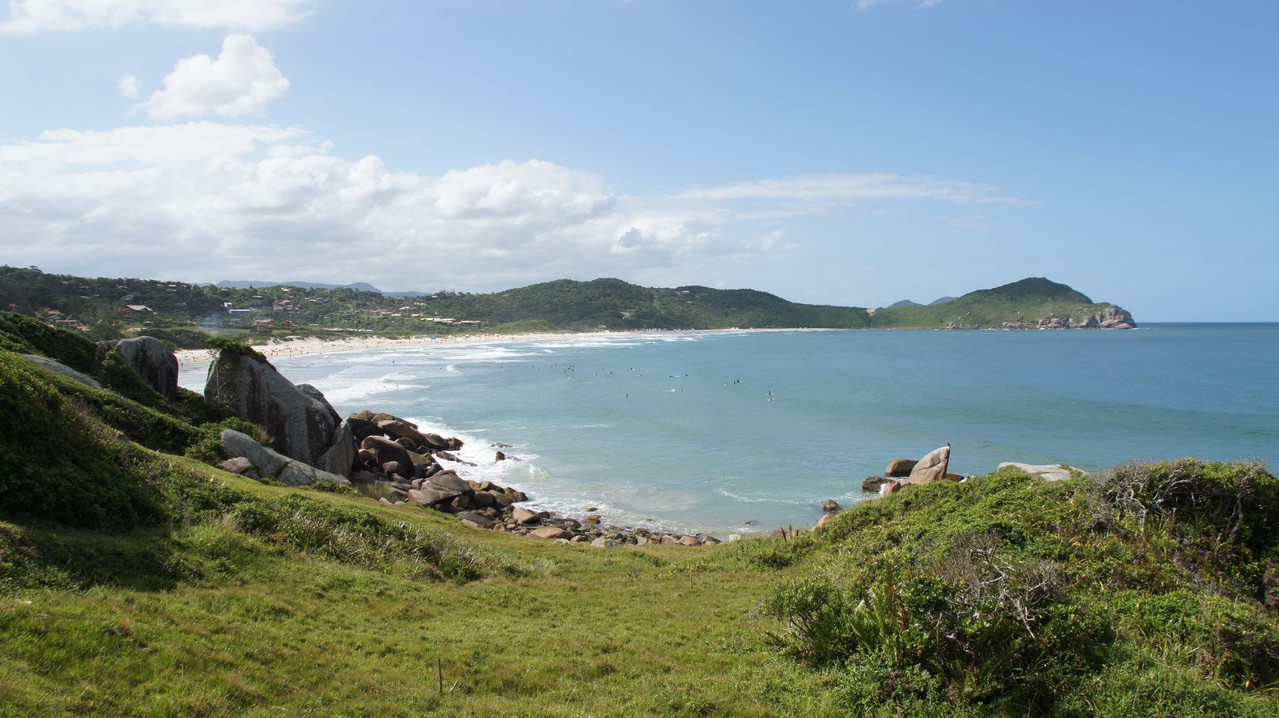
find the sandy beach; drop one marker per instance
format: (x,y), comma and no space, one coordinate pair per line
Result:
(193,358)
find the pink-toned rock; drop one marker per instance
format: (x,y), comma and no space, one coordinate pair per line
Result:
(550,532)
(932,467)
(898,468)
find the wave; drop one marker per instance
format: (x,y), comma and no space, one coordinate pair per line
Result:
(343,393)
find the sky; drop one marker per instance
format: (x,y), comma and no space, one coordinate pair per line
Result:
(853,153)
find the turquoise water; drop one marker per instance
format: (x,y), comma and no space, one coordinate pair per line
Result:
(741,432)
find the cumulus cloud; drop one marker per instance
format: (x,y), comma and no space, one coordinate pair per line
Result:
(241,81)
(36,16)
(204,201)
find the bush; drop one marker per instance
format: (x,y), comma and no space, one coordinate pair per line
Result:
(60,463)
(986,626)
(26,335)
(208,448)
(115,375)
(1233,503)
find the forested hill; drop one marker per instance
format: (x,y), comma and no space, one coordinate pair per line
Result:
(182,313)
(1030,303)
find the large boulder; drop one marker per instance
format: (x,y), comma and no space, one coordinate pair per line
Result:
(150,359)
(900,468)
(400,429)
(301,424)
(271,464)
(387,451)
(873,483)
(60,368)
(551,532)
(339,458)
(319,396)
(1047,472)
(932,467)
(1116,318)
(450,481)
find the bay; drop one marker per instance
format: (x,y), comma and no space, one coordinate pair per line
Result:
(742,432)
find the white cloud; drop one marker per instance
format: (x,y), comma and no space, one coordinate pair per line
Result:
(35,16)
(204,201)
(854,187)
(129,86)
(241,81)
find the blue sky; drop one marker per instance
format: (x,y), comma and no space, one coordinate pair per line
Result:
(854,152)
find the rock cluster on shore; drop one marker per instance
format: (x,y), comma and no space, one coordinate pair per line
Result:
(1107,318)
(385,456)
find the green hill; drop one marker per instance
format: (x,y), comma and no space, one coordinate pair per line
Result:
(1028,303)
(184,314)
(135,579)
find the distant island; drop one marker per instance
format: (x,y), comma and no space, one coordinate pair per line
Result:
(184,315)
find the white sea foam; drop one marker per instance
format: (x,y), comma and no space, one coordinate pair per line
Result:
(341,392)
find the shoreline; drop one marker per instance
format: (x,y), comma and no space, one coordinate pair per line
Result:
(293,347)
(586,526)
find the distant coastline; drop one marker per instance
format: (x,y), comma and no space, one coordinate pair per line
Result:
(280,348)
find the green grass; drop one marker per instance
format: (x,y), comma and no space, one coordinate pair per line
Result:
(264,600)
(136,582)
(253,623)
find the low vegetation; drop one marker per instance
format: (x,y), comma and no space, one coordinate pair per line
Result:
(184,315)
(135,579)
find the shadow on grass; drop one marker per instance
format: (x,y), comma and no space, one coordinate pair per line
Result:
(42,554)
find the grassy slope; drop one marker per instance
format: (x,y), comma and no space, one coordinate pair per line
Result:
(244,625)
(217,595)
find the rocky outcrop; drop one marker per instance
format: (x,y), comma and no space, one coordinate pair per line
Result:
(302,425)
(1107,317)
(271,464)
(900,468)
(1116,318)
(339,458)
(872,484)
(1047,472)
(60,368)
(394,461)
(932,467)
(151,360)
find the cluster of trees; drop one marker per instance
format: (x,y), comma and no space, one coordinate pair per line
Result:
(184,314)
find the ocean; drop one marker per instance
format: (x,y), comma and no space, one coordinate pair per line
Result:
(742,432)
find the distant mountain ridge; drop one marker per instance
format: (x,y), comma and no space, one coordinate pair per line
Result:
(357,286)
(107,308)
(909,303)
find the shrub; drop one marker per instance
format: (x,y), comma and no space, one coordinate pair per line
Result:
(208,448)
(1234,503)
(60,463)
(26,335)
(988,626)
